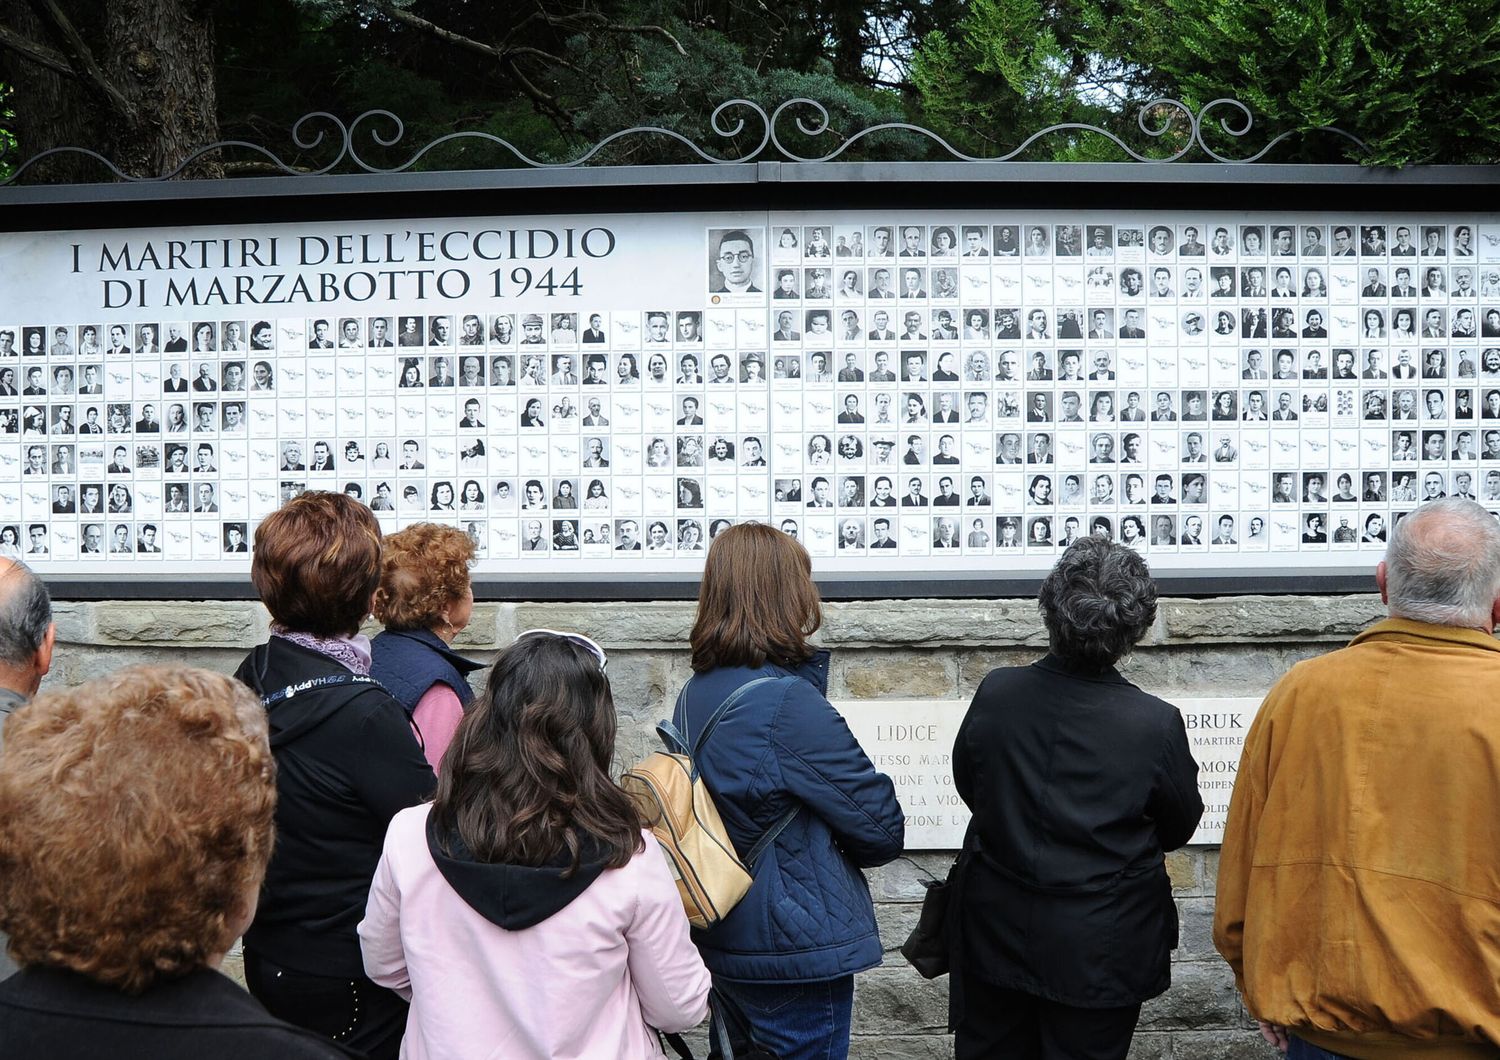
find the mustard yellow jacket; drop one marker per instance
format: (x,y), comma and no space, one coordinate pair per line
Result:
(1359,881)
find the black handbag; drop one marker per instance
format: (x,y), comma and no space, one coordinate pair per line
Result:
(726,1025)
(929,946)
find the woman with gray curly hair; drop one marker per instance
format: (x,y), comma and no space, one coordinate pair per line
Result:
(1079,783)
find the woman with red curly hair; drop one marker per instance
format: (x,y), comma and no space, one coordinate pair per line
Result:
(425,600)
(135,826)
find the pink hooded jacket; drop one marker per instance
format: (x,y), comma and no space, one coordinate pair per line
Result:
(588,980)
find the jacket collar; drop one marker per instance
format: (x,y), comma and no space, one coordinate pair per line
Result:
(437,644)
(10,700)
(1406,629)
(814,671)
(201,997)
(1109,675)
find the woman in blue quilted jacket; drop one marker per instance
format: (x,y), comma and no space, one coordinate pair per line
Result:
(786,955)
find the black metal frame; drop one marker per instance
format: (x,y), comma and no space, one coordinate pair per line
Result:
(743,184)
(581,588)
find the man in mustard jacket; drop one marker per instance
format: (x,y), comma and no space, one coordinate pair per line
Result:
(1359,881)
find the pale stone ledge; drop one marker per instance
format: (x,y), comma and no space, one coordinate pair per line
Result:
(665,623)
(483,629)
(937,622)
(919,624)
(205,624)
(1238,618)
(74,621)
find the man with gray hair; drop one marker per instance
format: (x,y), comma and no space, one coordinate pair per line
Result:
(1359,880)
(26,638)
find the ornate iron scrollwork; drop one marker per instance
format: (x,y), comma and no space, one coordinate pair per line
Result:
(1155,119)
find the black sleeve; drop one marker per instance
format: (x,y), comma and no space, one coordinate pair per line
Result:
(392,773)
(963,778)
(1175,805)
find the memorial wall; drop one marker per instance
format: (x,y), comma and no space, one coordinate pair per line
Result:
(919,392)
(936,376)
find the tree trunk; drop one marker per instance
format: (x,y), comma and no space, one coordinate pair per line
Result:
(160,53)
(51,109)
(156,58)
(848,42)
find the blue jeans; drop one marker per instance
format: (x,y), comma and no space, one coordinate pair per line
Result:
(1297,1049)
(796,1021)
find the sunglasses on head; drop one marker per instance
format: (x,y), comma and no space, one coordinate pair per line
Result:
(573,638)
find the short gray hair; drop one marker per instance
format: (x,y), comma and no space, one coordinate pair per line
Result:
(1097,602)
(1443,564)
(25,614)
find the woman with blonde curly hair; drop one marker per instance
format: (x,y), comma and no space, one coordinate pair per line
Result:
(425,600)
(135,827)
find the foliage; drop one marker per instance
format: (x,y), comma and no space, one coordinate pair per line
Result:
(552,89)
(9,151)
(1012,67)
(1417,80)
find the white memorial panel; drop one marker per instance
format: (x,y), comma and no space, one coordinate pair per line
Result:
(912,392)
(911,740)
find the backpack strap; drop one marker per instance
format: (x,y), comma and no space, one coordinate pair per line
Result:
(671,732)
(674,740)
(315,683)
(733,700)
(769,837)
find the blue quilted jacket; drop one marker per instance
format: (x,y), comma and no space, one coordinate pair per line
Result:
(808,916)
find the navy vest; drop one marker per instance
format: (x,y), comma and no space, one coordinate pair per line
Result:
(411,661)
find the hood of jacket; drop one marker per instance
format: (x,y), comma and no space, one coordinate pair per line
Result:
(278,664)
(514,896)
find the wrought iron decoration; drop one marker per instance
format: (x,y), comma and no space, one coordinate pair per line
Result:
(1155,119)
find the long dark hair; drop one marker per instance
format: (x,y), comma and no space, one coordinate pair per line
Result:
(527,775)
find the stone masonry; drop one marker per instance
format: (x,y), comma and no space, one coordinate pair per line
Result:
(903,649)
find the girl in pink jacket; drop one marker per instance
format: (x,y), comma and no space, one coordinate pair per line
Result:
(525,913)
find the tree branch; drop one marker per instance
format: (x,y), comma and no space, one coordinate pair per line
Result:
(582,18)
(519,26)
(506,57)
(548,56)
(36,53)
(458,40)
(537,96)
(615,27)
(82,59)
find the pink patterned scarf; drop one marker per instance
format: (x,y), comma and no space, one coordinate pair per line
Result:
(352,652)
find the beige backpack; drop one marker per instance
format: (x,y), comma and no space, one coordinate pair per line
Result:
(677,805)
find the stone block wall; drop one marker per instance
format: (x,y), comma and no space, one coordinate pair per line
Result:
(904,649)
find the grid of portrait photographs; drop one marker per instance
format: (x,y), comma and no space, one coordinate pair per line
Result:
(964,386)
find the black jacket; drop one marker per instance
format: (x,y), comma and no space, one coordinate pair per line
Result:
(47,1012)
(1079,783)
(346,762)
